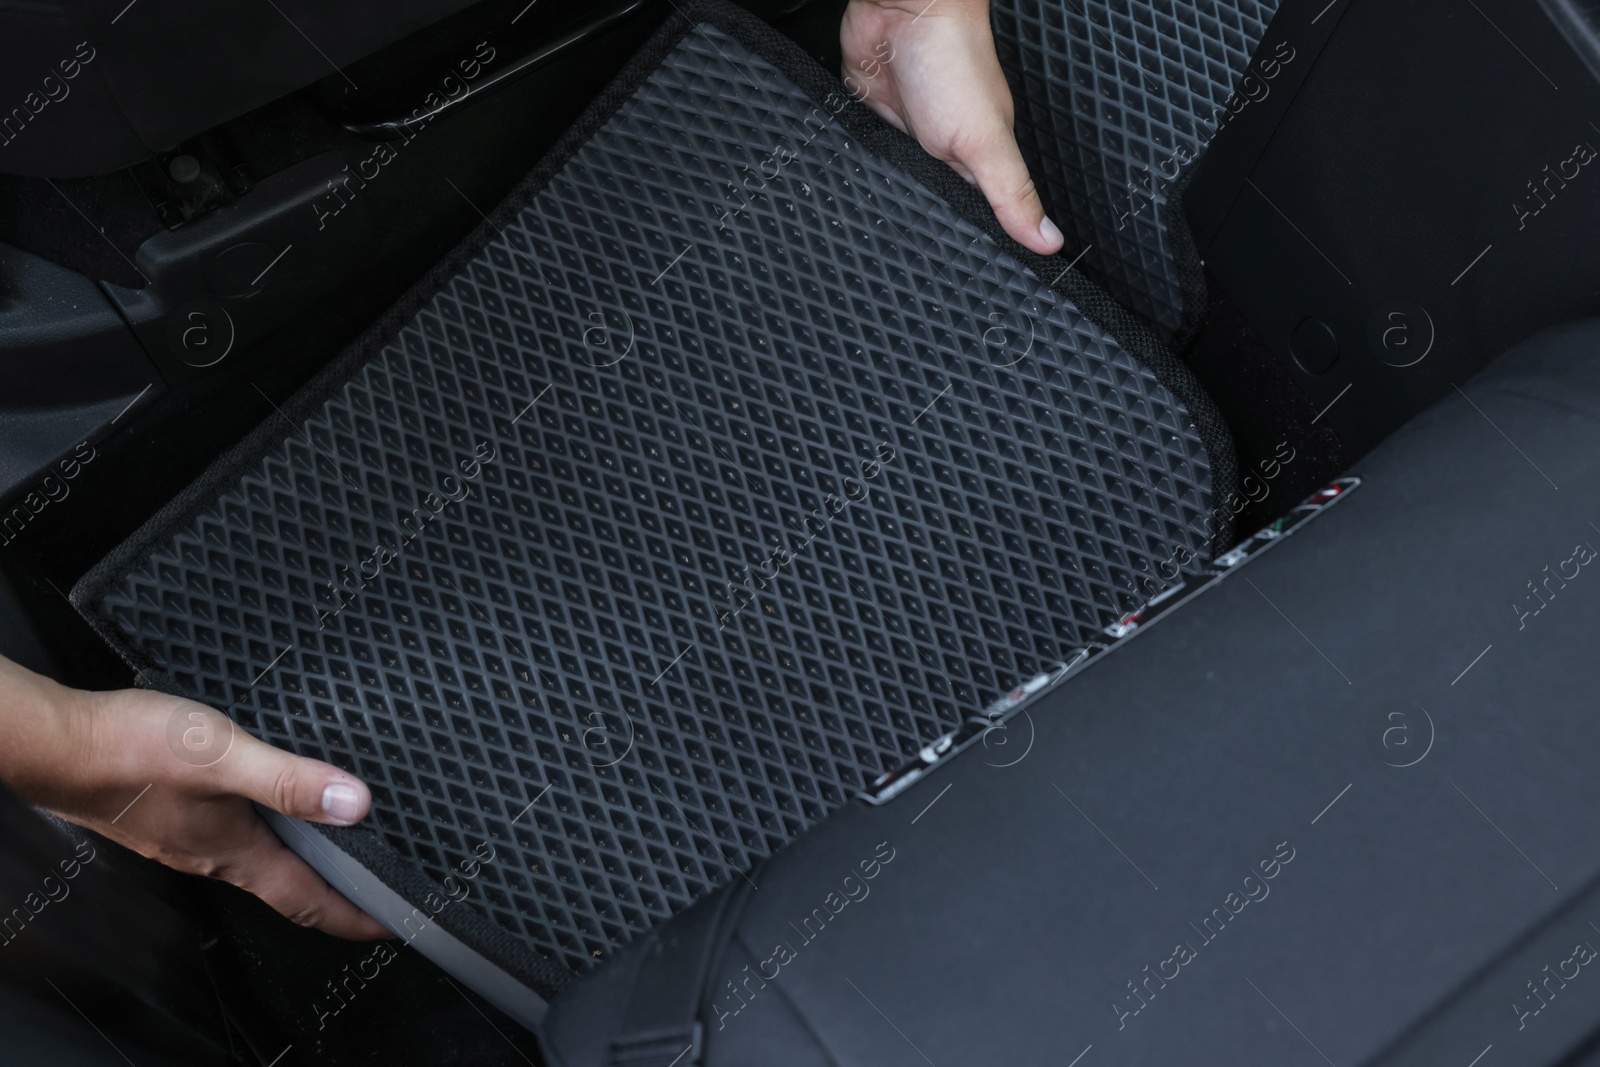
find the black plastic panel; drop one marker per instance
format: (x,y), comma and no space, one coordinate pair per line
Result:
(1372,206)
(70,368)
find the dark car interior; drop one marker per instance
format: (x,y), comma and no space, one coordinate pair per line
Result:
(735,564)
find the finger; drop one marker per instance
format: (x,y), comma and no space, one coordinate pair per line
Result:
(296,786)
(272,872)
(999,170)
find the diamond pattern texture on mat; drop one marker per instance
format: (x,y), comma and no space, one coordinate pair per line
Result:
(713,486)
(1110,99)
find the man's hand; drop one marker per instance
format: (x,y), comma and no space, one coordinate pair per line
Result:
(175,780)
(930,69)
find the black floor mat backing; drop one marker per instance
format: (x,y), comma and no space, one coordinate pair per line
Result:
(737,456)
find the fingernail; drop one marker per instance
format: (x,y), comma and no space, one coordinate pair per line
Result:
(341,802)
(1050,233)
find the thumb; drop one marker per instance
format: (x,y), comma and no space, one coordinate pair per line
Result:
(293,785)
(999,170)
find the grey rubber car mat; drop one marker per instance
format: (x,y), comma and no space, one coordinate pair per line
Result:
(736,456)
(1114,102)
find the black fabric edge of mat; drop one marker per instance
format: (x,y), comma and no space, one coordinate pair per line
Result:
(503,947)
